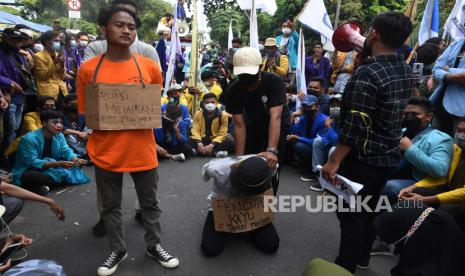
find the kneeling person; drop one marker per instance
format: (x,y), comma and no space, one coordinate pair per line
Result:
(234,177)
(210,129)
(44,158)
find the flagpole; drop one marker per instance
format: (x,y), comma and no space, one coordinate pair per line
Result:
(338,10)
(194,55)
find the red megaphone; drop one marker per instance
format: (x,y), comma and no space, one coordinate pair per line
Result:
(348,37)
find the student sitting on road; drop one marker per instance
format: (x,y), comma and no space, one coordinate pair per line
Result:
(44,159)
(209,79)
(75,130)
(210,129)
(237,176)
(171,138)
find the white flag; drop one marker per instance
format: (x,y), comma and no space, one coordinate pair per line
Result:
(300,70)
(315,17)
(230,35)
(430,22)
(455,23)
(175,49)
(253,26)
(268,6)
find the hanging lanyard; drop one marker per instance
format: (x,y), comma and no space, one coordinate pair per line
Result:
(97,69)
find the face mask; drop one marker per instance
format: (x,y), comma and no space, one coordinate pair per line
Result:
(174,100)
(413,125)
(460,141)
(286,31)
(334,112)
(73,43)
(210,106)
(56,46)
(270,52)
(261,47)
(82,44)
(38,47)
(309,113)
(315,93)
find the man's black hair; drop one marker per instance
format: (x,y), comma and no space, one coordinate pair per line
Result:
(78,36)
(70,97)
(208,75)
(318,79)
(68,36)
(428,53)
(168,14)
(21,26)
(105,14)
(50,114)
(262,38)
(237,40)
(170,92)
(173,111)
(318,43)
(114,3)
(393,27)
(460,120)
(41,100)
(422,102)
(47,36)
(209,96)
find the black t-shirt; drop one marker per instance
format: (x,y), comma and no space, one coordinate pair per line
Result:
(255,105)
(47,151)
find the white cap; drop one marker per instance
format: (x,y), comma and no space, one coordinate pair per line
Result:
(26,32)
(247,60)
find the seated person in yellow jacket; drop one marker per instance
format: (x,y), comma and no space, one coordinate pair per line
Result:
(209,80)
(50,67)
(31,121)
(178,96)
(274,61)
(446,192)
(210,129)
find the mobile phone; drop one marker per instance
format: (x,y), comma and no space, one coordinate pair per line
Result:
(9,252)
(418,70)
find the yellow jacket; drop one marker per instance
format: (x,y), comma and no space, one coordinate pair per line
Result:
(281,70)
(31,122)
(216,89)
(49,79)
(454,196)
(219,133)
(338,64)
(190,101)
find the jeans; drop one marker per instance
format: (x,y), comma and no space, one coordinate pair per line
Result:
(13,206)
(109,185)
(264,238)
(226,145)
(357,230)
(320,153)
(78,146)
(393,187)
(16,113)
(303,154)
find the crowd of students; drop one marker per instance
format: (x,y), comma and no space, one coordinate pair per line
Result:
(247,103)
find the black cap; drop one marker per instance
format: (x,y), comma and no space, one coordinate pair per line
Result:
(13,33)
(251,176)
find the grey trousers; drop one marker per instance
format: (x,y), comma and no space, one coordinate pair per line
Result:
(109,185)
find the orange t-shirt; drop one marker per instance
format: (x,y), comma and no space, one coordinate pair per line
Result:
(120,150)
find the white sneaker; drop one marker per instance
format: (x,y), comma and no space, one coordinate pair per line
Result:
(222,154)
(179,157)
(163,257)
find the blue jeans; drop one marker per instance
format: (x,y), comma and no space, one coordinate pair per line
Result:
(16,113)
(303,155)
(393,187)
(13,206)
(320,153)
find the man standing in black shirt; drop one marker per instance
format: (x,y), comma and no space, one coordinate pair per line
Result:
(370,131)
(257,103)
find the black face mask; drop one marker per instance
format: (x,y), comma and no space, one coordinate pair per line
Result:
(309,113)
(72,109)
(8,48)
(315,93)
(247,80)
(413,125)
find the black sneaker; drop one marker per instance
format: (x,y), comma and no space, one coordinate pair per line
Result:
(110,265)
(316,187)
(99,229)
(138,218)
(163,257)
(308,177)
(41,190)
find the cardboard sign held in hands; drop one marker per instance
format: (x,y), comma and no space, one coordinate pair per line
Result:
(123,106)
(241,214)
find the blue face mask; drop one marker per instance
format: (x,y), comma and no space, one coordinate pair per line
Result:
(56,46)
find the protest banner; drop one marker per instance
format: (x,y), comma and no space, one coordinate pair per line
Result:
(241,214)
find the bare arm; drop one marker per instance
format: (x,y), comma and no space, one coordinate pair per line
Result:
(275,126)
(239,133)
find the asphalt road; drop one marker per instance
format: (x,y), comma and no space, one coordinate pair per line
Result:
(182,193)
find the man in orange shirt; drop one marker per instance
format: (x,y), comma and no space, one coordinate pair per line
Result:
(117,152)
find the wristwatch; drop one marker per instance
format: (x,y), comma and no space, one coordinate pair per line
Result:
(273,150)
